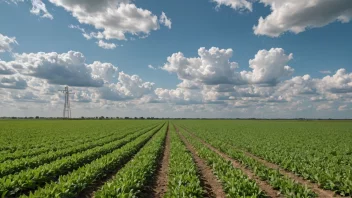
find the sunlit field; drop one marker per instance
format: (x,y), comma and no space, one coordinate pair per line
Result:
(161,158)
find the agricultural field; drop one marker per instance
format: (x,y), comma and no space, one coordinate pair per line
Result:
(175,158)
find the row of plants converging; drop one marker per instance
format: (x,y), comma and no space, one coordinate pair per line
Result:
(72,184)
(67,143)
(330,174)
(54,135)
(13,166)
(285,185)
(67,162)
(183,180)
(48,148)
(136,174)
(319,155)
(31,179)
(235,183)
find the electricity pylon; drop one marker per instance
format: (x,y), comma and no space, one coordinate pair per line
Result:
(67,107)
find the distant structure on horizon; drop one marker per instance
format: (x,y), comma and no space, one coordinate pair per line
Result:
(67,107)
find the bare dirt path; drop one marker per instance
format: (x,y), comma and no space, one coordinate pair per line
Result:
(161,181)
(264,186)
(313,186)
(209,181)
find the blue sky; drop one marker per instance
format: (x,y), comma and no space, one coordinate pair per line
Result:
(322,42)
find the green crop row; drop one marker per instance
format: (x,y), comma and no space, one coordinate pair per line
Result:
(131,179)
(65,144)
(234,181)
(55,134)
(317,151)
(285,185)
(183,180)
(328,173)
(47,148)
(10,167)
(33,178)
(70,185)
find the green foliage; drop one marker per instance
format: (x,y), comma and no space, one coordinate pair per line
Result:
(319,151)
(131,179)
(70,185)
(286,186)
(183,179)
(13,166)
(31,179)
(234,181)
(53,158)
(25,138)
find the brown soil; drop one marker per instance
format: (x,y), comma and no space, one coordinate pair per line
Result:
(264,186)
(209,181)
(313,186)
(161,181)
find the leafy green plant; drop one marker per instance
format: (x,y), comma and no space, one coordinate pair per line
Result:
(70,185)
(131,179)
(234,181)
(31,179)
(13,166)
(183,179)
(319,151)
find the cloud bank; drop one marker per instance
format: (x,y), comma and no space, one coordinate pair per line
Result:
(294,16)
(111,19)
(211,84)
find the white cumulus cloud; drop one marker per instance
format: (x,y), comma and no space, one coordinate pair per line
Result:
(164,20)
(106,45)
(127,87)
(340,82)
(6,43)
(39,8)
(113,18)
(178,96)
(6,69)
(211,67)
(64,69)
(268,66)
(12,82)
(298,15)
(37,77)
(151,67)
(234,4)
(106,71)
(214,67)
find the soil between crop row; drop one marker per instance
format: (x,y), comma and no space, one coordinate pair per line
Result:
(209,181)
(89,192)
(313,186)
(264,186)
(159,186)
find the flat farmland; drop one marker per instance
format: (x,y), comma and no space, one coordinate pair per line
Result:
(175,158)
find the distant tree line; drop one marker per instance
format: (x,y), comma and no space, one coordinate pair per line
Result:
(84,118)
(156,118)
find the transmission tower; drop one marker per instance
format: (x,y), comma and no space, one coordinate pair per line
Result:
(67,107)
